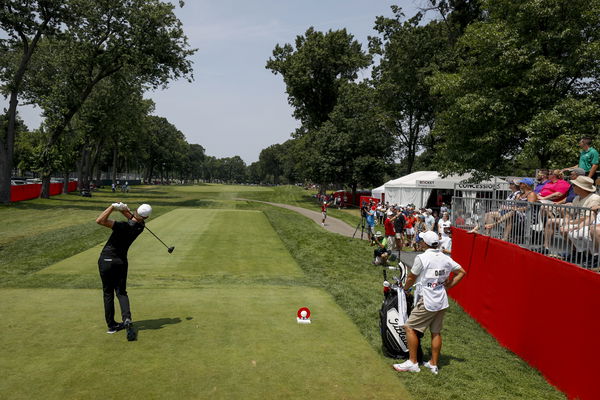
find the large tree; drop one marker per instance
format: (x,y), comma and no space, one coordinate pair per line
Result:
(314,69)
(352,148)
(409,54)
(102,38)
(25,23)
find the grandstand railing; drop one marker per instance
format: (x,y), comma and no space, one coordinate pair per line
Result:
(565,232)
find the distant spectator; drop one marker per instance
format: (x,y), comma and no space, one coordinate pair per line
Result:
(381,253)
(577,231)
(444,223)
(443,209)
(409,228)
(399,223)
(436,217)
(370,217)
(429,219)
(541,180)
(446,242)
(573,229)
(575,172)
(492,217)
(420,227)
(588,158)
(517,213)
(555,190)
(390,232)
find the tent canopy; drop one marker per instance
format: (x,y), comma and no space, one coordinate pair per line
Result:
(416,188)
(377,192)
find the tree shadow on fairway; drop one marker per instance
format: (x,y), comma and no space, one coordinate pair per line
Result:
(158,323)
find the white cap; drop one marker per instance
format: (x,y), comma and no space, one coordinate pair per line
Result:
(430,237)
(144,210)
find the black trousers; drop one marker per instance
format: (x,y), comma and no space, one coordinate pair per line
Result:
(113,273)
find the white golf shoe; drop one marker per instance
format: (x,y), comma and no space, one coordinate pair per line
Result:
(432,368)
(407,366)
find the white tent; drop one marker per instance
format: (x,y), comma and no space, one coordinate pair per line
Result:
(416,188)
(377,192)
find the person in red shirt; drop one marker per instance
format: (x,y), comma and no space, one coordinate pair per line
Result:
(555,190)
(390,232)
(409,228)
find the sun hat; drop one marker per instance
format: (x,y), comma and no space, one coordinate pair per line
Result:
(144,210)
(378,234)
(584,182)
(430,237)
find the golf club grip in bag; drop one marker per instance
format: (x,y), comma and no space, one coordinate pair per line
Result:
(393,337)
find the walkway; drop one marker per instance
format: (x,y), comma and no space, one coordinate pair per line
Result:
(331,224)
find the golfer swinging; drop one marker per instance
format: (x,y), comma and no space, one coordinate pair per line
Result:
(431,270)
(113,261)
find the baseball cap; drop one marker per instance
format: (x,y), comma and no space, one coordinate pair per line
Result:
(527,181)
(144,210)
(578,171)
(430,237)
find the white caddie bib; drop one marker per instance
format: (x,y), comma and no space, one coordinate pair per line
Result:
(436,270)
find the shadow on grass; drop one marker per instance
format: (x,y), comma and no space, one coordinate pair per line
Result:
(159,323)
(446,359)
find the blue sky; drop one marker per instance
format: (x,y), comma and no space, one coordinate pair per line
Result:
(235,106)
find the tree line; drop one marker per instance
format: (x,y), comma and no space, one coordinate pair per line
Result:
(488,87)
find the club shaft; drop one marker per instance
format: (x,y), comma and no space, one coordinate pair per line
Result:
(148,229)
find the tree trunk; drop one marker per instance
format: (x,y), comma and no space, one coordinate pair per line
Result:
(114,166)
(7,150)
(45,185)
(66,182)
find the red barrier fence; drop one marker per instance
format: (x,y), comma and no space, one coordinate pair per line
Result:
(32,191)
(543,309)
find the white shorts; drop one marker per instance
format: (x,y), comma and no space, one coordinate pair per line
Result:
(409,231)
(581,239)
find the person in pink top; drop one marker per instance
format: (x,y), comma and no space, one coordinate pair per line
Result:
(555,189)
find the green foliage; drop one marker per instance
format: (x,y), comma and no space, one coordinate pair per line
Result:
(314,70)
(526,85)
(409,51)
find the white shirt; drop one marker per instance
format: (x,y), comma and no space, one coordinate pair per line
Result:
(446,243)
(443,224)
(433,269)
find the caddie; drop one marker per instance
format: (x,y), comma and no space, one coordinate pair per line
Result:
(113,262)
(431,272)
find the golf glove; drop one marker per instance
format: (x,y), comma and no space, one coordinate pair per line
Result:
(119,206)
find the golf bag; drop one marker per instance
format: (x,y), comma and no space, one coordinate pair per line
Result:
(394,312)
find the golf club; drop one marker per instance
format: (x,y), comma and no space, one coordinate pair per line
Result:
(169,249)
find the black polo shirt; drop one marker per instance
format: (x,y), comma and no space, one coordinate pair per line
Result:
(123,235)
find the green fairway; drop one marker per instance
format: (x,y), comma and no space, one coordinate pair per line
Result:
(224,243)
(221,342)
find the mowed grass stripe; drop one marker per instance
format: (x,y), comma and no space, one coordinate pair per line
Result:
(193,343)
(224,243)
